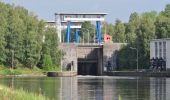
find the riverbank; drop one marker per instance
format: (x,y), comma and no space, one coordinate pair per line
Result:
(143,74)
(26,72)
(12,94)
(21,72)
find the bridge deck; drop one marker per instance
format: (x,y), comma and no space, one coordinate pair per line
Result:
(90,45)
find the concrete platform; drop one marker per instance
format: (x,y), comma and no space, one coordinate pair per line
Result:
(142,74)
(61,74)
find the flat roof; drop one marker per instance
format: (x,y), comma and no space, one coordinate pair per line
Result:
(65,21)
(81,13)
(50,21)
(160,39)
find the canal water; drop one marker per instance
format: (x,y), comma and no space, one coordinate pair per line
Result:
(94,88)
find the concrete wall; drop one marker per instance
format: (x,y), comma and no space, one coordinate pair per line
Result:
(100,61)
(87,53)
(168,55)
(152,50)
(110,52)
(101,54)
(70,54)
(92,54)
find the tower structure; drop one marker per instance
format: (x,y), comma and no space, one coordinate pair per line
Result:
(74,21)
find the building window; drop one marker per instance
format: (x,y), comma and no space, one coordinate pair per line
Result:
(160,49)
(164,50)
(156,49)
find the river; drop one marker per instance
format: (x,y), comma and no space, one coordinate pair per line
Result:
(94,87)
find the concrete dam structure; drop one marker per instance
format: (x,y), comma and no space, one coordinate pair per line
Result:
(89,58)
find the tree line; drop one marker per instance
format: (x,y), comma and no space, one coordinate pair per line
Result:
(137,32)
(25,41)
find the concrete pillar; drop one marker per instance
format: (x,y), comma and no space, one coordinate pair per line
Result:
(68,32)
(77,36)
(58,27)
(100,61)
(99,37)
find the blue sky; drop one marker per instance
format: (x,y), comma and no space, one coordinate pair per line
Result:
(121,9)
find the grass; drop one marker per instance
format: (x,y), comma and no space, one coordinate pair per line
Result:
(53,68)
(20,71)
(11,94)
(23,70)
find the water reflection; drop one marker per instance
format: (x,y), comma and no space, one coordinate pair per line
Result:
(94,88)
(158,88)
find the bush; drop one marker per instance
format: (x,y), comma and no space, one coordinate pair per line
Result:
(47,62)
(10,72)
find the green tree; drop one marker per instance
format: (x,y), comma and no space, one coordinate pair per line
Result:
(163,23)
(108,29)
(21,38)
(166,12)
(145,33)
(142,29)
(119,32)
(50,49)
(162,27)
(87,31)
(131,28)
(13,35)
(47,62)
(3,29)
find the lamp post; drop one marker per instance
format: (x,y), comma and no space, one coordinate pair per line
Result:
(136,56)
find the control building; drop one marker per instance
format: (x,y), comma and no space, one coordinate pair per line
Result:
(159,48)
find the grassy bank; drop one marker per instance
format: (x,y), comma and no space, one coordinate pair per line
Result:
(20,71)
(25,71)
(11,94)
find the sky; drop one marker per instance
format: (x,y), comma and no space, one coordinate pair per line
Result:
(120,9)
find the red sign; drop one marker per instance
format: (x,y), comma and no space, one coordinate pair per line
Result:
(107,38)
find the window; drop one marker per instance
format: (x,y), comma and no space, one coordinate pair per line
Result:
(164,50)
(160,49)
(156,49)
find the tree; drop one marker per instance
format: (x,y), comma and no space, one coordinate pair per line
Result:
(162,27)
(163,23)
(3,29)
(13,36)
(21,38)
(50,50)
(108,29)
(119,32)
(87,29)
(166,12)
(47,62)
(131,28)
(139,30)
(145,33)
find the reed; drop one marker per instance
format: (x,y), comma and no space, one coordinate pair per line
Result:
(12,94)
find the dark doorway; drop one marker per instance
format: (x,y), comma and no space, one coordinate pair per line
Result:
(87,68)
